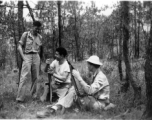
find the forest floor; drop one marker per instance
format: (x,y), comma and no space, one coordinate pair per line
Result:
(124,110)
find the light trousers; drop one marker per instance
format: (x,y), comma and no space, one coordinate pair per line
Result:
(31,64)
(88,102)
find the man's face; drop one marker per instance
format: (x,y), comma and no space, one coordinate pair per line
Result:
(89,67)
(58,56)
(36,30)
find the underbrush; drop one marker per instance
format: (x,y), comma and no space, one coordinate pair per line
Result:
(124,109)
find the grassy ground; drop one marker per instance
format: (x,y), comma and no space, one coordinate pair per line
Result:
(123,110)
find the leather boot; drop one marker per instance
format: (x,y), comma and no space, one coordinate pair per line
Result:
(45,113)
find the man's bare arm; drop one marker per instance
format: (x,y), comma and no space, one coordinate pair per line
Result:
(21,52)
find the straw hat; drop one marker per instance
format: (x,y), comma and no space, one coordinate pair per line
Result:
(94,60)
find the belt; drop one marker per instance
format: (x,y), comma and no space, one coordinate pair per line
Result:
(61,85)
(31,53)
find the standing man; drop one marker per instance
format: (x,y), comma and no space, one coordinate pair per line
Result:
(32,43)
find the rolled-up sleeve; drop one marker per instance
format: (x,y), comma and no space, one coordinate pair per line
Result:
(99,82)
(52,65)
(22,40)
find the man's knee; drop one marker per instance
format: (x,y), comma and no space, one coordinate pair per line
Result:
(98,105)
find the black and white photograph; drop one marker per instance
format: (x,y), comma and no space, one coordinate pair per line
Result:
(76,59)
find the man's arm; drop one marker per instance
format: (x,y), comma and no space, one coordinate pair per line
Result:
(21,51)
(22,43)
(61,78)
(40,47)
(89,89)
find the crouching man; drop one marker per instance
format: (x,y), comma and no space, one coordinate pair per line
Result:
(96,93)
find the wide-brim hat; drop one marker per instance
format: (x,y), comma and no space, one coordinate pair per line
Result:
(94,60)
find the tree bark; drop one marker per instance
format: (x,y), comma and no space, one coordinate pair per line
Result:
(148,76)
(20,28)
(138,40)
(53,28)
(76,35)
(59,22)
(15,41)
(30,11)
(125,27)
(135,32)
(53,37)
(123,87)
(124,81)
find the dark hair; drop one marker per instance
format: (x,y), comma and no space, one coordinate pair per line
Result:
(95,65)
(37,23)
(62,51)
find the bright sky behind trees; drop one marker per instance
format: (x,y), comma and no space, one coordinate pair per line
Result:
(99,4)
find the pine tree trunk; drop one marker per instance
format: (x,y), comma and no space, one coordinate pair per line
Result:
(30,11)
(120,60)
(53,27)
(20,32)
(124,81)
(135,32)
(138,41)
(76,35)
(15,41)
(59,22)
(148,76)
(20,28)
(125,19)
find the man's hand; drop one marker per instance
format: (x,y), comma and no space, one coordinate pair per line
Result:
(50,71)
(48,61)
(47,68)
(21,52)
(24,58)
(77,75)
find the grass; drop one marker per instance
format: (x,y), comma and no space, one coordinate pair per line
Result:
(123,110)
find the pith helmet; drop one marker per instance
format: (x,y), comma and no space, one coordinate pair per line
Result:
(94,60)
